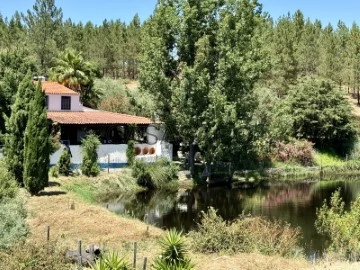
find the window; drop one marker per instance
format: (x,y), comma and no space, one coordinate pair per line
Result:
(65,103)
(47,102)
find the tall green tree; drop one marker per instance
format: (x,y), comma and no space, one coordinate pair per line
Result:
(285,65)
(15,128)
(200,61)
(13,68)
(37,145)
(226,132)
(308,50)
(43,23)
(328,64)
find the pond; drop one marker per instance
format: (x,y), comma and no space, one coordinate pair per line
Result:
(295,203)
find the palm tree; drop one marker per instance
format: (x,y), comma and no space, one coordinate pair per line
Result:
(77,74)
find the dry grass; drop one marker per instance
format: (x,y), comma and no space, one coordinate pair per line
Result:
(245,261)
(86,222)
(354,106)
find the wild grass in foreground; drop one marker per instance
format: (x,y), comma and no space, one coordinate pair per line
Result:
(32,256)
(245,234)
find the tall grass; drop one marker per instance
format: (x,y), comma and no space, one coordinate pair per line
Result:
(156,175)
(103,187)
(13,226)
(31,256)
(245,234)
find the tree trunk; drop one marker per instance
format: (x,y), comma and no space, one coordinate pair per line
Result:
(208,170)
(191,158)
(358,96)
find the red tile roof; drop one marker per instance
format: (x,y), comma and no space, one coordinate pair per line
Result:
(55,88)
(96,117)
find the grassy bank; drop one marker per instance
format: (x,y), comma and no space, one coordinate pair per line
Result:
(326,166)
(109,186)
(104,186)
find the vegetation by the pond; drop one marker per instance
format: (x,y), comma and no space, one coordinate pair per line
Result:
(102,187)
(245,234)
(155,175)
(342,226)
(325,165)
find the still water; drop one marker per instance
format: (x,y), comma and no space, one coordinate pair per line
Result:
(294,203)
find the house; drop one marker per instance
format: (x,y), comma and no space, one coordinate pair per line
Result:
(73,121)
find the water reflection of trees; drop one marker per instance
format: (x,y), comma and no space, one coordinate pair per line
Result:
(293,203)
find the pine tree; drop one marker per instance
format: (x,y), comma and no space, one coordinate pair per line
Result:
(43,23)
(15,128)
(37,145)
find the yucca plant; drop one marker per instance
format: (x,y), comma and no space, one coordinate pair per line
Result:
(111,261)
(174,255)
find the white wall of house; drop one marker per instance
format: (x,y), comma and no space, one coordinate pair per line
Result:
(115,154)
(54,103)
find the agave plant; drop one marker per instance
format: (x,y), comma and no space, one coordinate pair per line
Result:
(111,261)
(174,255)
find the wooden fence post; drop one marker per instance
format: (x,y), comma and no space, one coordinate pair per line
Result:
(80,256)
(135,247)
(144,265)
(48,233)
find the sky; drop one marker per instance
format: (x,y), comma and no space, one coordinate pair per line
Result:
(327,11)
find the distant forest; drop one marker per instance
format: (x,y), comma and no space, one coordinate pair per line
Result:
(295,46)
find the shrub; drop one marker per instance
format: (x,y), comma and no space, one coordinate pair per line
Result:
(64,163)
(342,227)
(32,256)
(130,153)
(13,225)
(174,253)
(245,234)
(89,145)
(54,171)
(298,152)
(111,260)
(8,184)
(154,175)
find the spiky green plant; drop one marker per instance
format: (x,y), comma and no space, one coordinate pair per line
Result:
(111,261)
(174,255)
